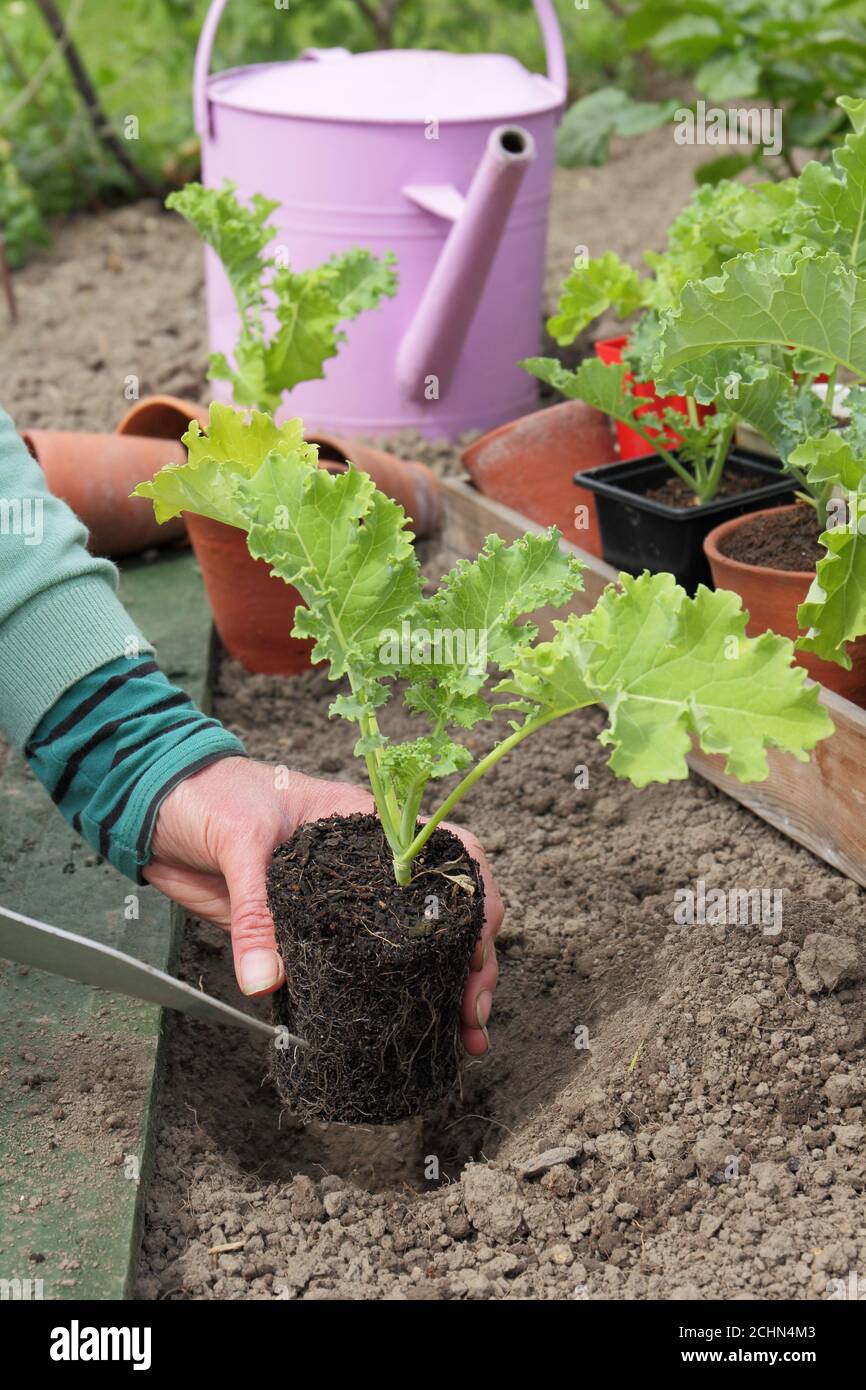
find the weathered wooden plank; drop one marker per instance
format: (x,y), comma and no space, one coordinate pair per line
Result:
(821,803)
(79,1067)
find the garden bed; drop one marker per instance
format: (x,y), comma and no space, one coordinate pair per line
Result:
(600,1170)
(703,1043)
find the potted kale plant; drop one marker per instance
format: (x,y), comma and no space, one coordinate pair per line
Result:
(376,916)
(680,471)
(289,327)
(782,318)
(654,510)
(529,463)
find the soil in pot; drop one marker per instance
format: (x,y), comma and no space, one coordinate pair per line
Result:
(780,540)
(769,559)
(374,971)
(675,493)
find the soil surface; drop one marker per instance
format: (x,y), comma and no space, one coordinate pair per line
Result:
(667,1111)
(676,493)
(787,540)
(374,972)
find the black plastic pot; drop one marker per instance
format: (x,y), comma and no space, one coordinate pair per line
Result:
(638,532)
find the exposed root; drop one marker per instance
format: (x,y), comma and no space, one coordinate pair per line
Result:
(380,1007)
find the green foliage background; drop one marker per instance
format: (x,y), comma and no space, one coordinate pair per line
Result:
(139,54)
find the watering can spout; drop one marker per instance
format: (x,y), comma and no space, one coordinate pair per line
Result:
(431,345)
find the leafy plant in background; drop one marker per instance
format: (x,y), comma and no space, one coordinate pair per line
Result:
(716,224)
(308,305)
(700,456)
(794,56)
(667,667)
(777,313)
(21,224)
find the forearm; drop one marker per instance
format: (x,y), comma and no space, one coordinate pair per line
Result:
(114,746)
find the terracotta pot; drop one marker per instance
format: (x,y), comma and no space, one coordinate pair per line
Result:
(629,442)
(772,597)
(253,613)
(530,463)
(412,484)
(95,473)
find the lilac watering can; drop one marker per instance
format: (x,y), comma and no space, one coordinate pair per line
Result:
(445,159)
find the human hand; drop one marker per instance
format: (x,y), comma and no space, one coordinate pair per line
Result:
(212,846)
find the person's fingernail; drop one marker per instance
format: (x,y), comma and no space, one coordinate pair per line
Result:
(259,970)
(483,1005)
(486,1038)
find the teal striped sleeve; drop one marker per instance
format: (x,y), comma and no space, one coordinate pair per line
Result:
(60,616)
(111,749)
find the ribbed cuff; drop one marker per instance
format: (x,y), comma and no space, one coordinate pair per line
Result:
(130,844)
(54,641)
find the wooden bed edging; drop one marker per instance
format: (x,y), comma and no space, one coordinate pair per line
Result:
(821,804)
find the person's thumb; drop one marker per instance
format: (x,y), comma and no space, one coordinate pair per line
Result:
(258,965)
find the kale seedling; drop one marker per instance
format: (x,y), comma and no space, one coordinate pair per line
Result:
(308,306)
(667,667)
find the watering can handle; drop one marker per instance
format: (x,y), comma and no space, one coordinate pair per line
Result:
(554,49)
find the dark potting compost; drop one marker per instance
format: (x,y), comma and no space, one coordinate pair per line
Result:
(674,492)
(374,971)
(781,540)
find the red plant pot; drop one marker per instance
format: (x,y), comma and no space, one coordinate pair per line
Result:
(631,445)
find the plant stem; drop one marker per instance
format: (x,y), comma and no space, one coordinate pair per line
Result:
(403,861)
(720,458)
(386,801)
(665,454)
(811,495)
(831,387)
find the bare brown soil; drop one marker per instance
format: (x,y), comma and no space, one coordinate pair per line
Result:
(667,1111)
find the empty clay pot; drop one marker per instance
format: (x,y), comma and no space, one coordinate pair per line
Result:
(772,597)
(412,484)
(95,473)
(530,463)
(253,613)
